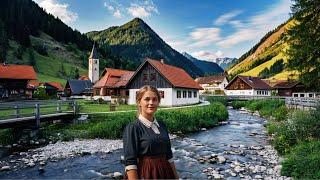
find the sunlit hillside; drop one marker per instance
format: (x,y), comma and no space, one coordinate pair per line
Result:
(261,61)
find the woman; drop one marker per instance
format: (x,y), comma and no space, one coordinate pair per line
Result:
(147,148)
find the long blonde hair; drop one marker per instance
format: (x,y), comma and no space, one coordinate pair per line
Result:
(141,92)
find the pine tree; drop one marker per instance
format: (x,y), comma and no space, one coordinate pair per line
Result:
(3,42)
(32,60)
(304,39)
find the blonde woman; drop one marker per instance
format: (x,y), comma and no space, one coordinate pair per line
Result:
(147,147)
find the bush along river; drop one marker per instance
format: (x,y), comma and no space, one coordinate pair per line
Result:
(237,149)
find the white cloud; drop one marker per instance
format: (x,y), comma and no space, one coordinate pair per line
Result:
(225,18)
(117,14)
(59,10)
(208,56)
(144,9)
(138,11)
(205,36)
(257,26)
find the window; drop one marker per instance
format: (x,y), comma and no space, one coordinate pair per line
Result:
(189,94)
(241,86)
(295,95)
(311,95)
(301,95)
(145,77)
(178,94)
(95,61)
(195,94)
(184,94)
(153,77)
(97,91)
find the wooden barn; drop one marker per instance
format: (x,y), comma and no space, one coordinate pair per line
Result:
(175,85)
(14,80)
(247,86)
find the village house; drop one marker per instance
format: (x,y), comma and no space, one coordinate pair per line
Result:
(176,87)
(247,86)
(78,88)
(293,89)
(112,84)
(51,88)
(14,80)
(212,84)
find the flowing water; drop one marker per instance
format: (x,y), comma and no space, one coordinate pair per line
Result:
(239,142)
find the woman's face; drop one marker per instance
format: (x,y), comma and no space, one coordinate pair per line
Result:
(149,103)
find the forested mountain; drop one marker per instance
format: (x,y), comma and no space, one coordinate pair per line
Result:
(29,35)
(268,58)
(208,68)
(135,40)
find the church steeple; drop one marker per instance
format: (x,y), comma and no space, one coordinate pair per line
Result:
(94,54)
(93,65)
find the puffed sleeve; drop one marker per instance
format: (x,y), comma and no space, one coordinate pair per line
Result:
(130,146)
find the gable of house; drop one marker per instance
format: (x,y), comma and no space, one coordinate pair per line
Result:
(161,75)
(78,87)
(113,78)
(247,82)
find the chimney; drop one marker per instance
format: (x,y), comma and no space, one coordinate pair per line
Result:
(162,61)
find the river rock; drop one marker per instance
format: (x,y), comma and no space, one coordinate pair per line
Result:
(5,168)
(203,129)
(117,175)
(221,159)
(31,164)
(233,174)
(258,177)
(238,169)
(257,147)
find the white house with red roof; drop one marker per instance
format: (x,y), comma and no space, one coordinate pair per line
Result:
(247,86)
(212,84)
(176,87)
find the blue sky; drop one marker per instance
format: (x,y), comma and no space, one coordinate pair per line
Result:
(205,29)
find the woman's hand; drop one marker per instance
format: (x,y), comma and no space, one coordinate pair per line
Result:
(132,174)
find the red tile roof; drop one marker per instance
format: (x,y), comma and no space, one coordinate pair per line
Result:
(114,78)
(17,72)
(176,76)
(254,82)
(33,84)
(210,79)
(56,85)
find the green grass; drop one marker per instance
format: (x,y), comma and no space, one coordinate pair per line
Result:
(91,107)
(48,78)
(303,162)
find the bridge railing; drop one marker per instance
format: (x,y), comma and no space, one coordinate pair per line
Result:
(304,102)
(20,109)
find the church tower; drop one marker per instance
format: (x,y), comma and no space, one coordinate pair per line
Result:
(93,65)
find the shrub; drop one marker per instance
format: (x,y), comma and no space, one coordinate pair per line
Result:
(222,99)
(238,104)
(303,161)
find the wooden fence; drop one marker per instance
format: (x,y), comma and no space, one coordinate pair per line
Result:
(28,111)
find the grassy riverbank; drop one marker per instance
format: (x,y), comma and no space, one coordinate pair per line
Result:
(296,136)
(182,120)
